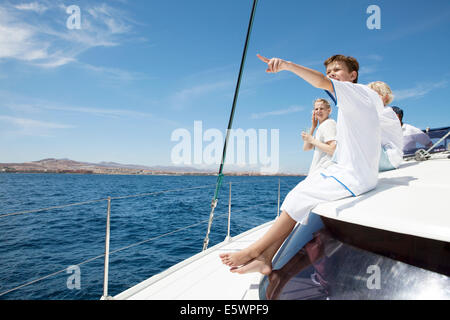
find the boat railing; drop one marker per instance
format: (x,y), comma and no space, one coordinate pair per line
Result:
(422,154)
(107,252)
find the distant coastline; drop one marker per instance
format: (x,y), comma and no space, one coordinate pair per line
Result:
(67,166)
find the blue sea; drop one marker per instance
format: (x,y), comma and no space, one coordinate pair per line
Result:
(47,244)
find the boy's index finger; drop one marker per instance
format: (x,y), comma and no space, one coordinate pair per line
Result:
(264,59)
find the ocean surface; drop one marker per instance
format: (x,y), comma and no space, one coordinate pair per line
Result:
(58,246)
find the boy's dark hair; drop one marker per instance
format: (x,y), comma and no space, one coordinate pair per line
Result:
(398,111)
(351,63)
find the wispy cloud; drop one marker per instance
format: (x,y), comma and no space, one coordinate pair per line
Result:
(419,26)
(367,70)
(115,73)
(17,40)
(116,20)
(32,6)
(281,112)
(99,111)
(44,40)
(35,108)
(31,127)
(19,104)
(184,97)
(375,57)
(419,91)
(30,123)
(221,80)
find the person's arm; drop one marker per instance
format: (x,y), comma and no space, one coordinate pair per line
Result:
(420,137)
(327,147)
(424,139)
(313,77)
(306,145)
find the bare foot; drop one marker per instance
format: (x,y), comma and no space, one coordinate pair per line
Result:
(259,264)
(236,259)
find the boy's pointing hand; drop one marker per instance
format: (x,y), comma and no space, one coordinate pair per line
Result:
(263,59)
(274,65)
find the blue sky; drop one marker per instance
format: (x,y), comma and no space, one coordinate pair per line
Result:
(136,70)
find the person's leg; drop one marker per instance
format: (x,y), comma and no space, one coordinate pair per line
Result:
(262,263)
(296,207)
(274,237)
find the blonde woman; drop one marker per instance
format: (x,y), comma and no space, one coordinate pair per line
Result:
(383,90)
(391,129)
(324,141)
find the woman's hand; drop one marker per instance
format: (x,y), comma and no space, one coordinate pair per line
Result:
(308,138)
(314,120)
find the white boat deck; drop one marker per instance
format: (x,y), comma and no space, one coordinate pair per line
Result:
(203,276)
(411,200)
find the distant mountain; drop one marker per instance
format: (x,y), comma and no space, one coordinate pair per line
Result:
(52,165)
(141,167)
(67,166)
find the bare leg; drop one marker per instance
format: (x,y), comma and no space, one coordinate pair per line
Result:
(271,241)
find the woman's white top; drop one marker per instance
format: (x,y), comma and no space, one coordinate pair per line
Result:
(391,136)
(326,132)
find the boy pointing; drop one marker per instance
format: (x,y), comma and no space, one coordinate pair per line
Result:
(352,171)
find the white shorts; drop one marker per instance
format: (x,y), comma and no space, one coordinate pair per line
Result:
(315,189)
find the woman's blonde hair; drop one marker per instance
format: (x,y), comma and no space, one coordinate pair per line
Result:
(324,101)
(383,90)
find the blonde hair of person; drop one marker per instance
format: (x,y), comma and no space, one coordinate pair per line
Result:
(383,90)
(324,101)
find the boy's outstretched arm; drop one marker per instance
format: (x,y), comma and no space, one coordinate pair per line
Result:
(313,77)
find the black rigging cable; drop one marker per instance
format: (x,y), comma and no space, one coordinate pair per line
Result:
(230,123)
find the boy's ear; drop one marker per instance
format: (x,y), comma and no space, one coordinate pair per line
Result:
(354,75)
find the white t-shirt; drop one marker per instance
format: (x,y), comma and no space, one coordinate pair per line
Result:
(391,136)
(326,132)
(413,135)
(358,137)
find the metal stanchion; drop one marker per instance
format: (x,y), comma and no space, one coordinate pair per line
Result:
(228,237)
(106,269)
(278,211)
